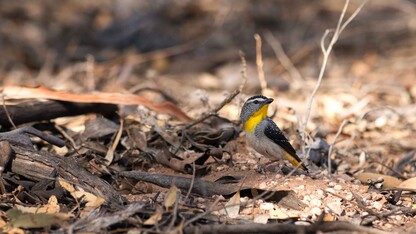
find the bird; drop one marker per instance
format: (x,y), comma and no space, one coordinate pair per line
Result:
(263,134)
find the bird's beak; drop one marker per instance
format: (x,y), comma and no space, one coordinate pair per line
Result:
(269,100)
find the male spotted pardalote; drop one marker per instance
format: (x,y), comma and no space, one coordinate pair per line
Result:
(263,134)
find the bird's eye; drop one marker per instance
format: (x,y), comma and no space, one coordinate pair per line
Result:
(256,102)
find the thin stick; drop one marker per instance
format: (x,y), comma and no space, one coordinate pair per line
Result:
(192,181)
(344,123)
(326,52)
(259,63)
(283,58)
(7,113)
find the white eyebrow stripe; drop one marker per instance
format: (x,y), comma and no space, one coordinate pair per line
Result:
(257,99)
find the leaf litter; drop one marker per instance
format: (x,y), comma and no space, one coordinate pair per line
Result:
(153,168)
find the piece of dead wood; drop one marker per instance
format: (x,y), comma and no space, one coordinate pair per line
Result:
(284,198)
(38,165)
(46,110)
(41,92)
(201,187)
(327,227)
(21,137)
(97,221)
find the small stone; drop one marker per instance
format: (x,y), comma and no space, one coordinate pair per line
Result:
(302,223)
(330,190)
(377,205)
(266,206)
(316,202)
(388,226)
(335,207)
(274,183)
(244,199)
(262,185)
(300,187)
(320,192)
(331,184)
(338,187)
(316,211)
(262,218)
(349,196)
(251,161)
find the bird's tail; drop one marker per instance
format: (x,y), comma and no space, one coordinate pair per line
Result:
(295,161)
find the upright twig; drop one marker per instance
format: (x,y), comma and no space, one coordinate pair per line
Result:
(7,113)
(259,63)
(331,147)
(326,50)
(283,58)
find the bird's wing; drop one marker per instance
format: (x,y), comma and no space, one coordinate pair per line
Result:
(273,132)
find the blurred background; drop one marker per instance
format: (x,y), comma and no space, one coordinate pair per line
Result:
(187,52)
(40,41)
(189,49)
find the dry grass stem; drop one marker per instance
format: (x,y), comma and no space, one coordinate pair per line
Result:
(326,50)
(259,63)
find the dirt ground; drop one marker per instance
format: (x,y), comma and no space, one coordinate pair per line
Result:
(158,74)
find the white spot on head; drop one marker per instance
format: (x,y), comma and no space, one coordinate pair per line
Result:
(257,100)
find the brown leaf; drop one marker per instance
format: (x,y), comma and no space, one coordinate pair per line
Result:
(171,197)
(232,207)
(408,184)
(155,218)
(389,181)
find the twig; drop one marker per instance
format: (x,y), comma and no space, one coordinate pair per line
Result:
(322,227)
(283,58)
(66,136)
(7,112)
(344,123)
(326,52)
(192,181)
(259,63)
(227,100)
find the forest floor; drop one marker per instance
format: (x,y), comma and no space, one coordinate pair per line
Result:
(147,98)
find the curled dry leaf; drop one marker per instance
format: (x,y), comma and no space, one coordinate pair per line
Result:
(91,199)
(51,208)
(171,197)
(155,218)
(389,181)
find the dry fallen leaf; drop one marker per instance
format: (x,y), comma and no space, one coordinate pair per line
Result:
(232,207)
(389,181)
(156,217)
(51,208)
(408,184)
(91,199)
(109,157)
(171,197)
(22,219)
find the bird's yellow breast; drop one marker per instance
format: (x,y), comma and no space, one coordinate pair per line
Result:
(256,118)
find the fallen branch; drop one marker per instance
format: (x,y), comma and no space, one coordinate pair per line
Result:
(39,165)
(283,228)
(19,92)
(46,110)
